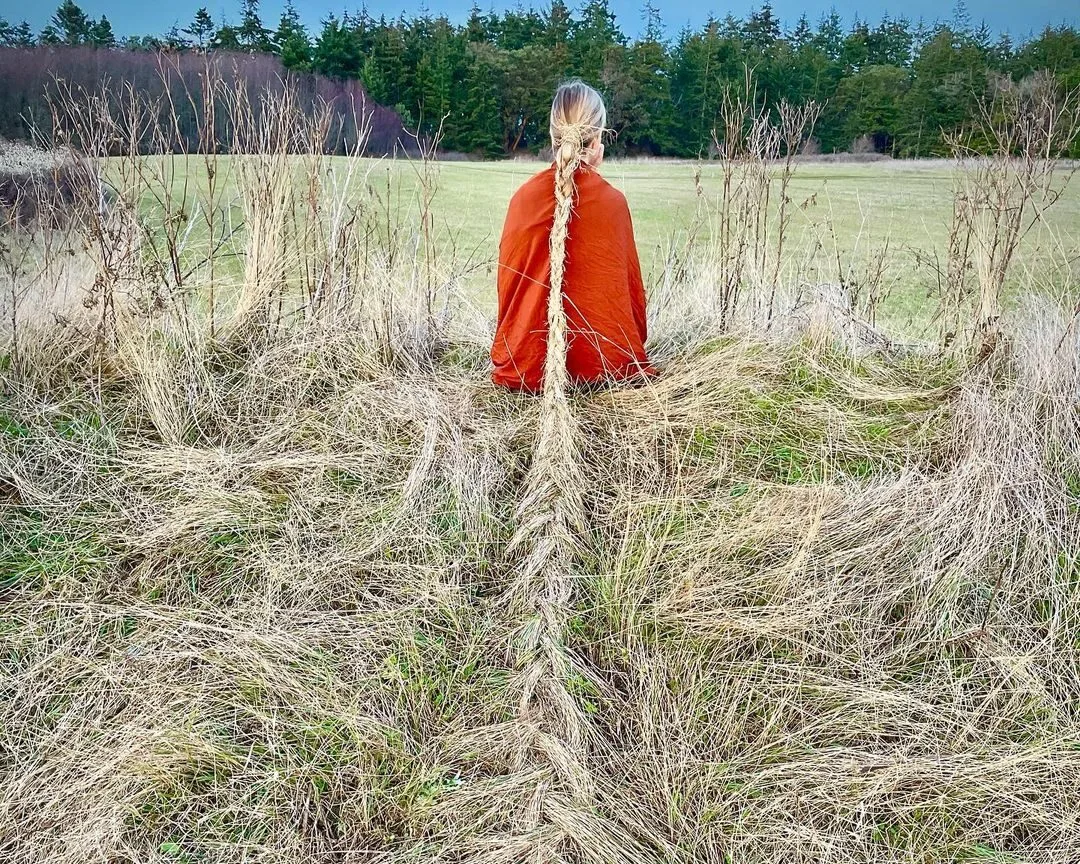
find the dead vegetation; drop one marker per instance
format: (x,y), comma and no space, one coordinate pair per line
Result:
(259,600)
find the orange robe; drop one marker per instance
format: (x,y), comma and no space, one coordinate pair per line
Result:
(603,294)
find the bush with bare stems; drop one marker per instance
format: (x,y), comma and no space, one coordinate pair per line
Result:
(1007,176)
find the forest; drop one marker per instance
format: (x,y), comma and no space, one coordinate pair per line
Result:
(894,86)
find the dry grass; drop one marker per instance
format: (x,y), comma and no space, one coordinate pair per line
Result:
(33,182)
(258,600)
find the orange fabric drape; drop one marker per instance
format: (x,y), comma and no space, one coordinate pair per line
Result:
(603,294)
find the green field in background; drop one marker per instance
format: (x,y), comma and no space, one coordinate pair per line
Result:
(840,211)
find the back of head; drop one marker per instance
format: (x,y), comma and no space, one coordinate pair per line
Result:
(578,119)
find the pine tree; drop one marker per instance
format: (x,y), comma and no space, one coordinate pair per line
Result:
(201,29)
(387,64)
(869,103)
(101,34)
(730,28)
(481,127)
(830,35)
(591,37)
(519,28)
(142,43)
(701,63)
(174,40)
(16,35)
(961,18)
(856,48)
(890,43)
(435,75)
(558,24)
(477,28)
(337,53)
(762,28)
(1003,51)
(646,113)
(68,25)
(947,75)
(802,35)
(292,40)
(654,25)
(227,38)
(251,34)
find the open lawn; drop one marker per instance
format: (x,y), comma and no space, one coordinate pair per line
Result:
(844,216)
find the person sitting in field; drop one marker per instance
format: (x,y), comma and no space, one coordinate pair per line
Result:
(569,230)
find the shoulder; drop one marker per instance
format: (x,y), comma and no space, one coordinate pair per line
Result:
(600,190)
(538,186)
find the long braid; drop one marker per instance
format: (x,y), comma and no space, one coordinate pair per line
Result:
(567,160)
(550,523)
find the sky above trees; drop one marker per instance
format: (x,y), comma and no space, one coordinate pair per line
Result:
(136,17)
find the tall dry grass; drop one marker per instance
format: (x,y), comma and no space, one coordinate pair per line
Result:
(260,600)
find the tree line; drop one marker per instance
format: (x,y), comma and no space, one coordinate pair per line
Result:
(893,86)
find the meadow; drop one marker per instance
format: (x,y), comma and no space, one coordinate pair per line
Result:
(283,578)
(851,221)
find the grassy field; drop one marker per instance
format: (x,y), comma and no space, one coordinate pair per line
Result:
(285,579)
(844,214)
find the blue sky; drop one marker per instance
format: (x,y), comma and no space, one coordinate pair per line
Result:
(139,16)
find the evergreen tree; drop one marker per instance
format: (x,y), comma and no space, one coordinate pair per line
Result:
(830,35)
(921,33)
(1002,51)
(519,28)
(556,34)
(201,29)
(869,103)
(481,125)
(703,66)
(762,28)
(337,53)
(526,98)
(16,35)
(1057,49)
(654,25)
(251,34)
(647,117)
(478,28)
(591,36)
(802,35)
(889,44)
(856,47)
(101,34)
(961,18)
(227,38)
(435,73)
(812,74)
(292,40)
(69,25)
(558,25)
(175,40)
(142,43)
(949,74)
(492,76)
(383,69)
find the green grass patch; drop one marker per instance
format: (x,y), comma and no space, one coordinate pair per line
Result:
(38,555)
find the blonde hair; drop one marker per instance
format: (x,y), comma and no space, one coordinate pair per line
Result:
(578,118)
(551,513)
